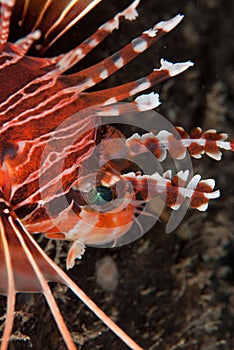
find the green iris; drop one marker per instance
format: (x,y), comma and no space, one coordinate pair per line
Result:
(100,195)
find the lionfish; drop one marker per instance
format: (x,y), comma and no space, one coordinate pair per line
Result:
(50,129)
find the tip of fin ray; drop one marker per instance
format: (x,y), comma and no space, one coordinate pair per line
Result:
(148,101)
(174,68)
(131,13)
(167,26)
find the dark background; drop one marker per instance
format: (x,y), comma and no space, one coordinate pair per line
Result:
(174,291)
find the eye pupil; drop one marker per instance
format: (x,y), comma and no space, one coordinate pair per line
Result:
(100,195)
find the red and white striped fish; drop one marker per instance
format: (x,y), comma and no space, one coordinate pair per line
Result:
(50,130)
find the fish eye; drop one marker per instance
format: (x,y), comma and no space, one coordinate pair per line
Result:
(100,195)
(102,192)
